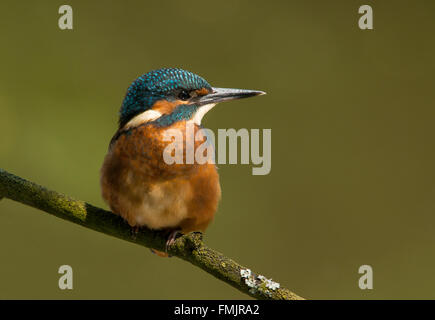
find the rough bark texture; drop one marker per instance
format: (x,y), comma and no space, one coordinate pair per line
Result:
(188,247)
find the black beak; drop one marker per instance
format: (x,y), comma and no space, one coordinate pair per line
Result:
(225,94)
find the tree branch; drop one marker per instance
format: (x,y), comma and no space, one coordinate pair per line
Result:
(188,247)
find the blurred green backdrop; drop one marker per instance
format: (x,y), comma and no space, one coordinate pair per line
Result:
(353,159)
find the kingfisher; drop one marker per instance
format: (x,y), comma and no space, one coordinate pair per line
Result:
(136,181)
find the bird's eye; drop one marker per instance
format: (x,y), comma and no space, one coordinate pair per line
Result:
(184,95)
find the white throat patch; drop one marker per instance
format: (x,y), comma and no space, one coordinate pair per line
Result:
(201,113)
(143,117)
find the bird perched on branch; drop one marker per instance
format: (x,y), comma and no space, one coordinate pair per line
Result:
(136,181)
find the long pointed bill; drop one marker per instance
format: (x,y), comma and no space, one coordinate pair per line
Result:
(225,94)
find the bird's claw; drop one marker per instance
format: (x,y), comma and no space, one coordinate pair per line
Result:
(134,231)
(171,239)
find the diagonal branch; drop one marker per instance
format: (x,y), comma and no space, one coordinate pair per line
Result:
(189,247)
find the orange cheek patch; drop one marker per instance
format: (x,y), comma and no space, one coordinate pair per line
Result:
(202,92)
(166,107)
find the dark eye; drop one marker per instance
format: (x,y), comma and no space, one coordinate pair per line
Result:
(184,95)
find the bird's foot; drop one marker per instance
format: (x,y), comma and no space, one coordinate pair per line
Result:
(171,239)
(134,231)
(160,253)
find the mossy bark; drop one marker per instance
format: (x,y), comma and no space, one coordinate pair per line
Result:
(188,247)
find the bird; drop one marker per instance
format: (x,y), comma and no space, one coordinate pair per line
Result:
(136,181)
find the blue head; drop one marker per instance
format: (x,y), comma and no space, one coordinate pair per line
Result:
(170,94)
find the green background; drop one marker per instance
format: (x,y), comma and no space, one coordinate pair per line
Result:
(353,159)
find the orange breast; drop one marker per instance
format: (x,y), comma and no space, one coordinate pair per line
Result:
(138,184)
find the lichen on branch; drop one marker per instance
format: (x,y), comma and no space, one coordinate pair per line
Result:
(188,247)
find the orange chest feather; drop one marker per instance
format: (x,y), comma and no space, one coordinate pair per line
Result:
(143,149)
(140,186)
